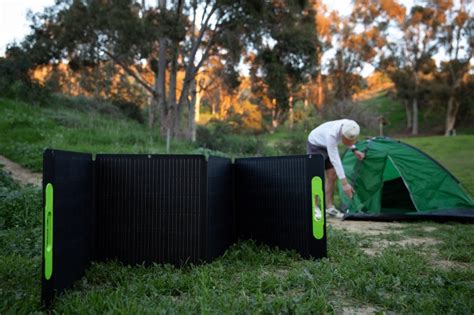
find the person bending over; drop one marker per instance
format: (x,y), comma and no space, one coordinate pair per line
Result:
(324,140)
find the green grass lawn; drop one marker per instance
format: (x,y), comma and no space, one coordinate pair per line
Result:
(249,278)
(434,277)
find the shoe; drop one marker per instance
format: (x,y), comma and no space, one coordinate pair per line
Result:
(335,213)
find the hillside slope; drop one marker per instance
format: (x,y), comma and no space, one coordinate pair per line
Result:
(27,130)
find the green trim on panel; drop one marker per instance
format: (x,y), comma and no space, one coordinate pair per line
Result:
(317,209)
(48,232)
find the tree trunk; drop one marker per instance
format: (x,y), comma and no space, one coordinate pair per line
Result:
(306,96)
(160,104)
(197,108)
(274,114)
(451,113)
(174,115)
(154,102)
(173,112)
(215,105)
(320,91)
(160,87)
(290,101)
(191,115)
(414,130)
(409,115)
(183,99)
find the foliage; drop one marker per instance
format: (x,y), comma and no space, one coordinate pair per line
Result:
(169,37)
(129,109)
(349,109)
(15,79)
(221,136)
(281,67)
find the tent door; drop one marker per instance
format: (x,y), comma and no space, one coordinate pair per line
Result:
(395,195)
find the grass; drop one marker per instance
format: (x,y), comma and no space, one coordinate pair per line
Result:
(249,278)
(26,131)
(431,120)
(392,110)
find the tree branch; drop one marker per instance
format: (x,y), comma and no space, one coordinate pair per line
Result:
(218,29)
(130,72)
(204,12)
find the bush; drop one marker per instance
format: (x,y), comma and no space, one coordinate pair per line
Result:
(213,136)
(130,109)
(86,104)
(15,79)
(295,143)
(349,109)
(209,152)
(220,136)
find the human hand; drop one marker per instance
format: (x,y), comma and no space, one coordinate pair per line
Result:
(348,190)
(359,155)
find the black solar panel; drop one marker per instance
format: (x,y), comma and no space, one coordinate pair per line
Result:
(274,202)
(71,177)
(141,209)
(151,208)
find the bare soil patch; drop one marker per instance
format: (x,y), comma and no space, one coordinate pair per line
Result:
(378,245)
(365,227)
(19,173)
(382,229)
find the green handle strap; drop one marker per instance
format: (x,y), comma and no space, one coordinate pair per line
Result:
(48,232)
(317,210)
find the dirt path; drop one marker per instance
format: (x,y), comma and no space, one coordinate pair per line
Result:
(19,173)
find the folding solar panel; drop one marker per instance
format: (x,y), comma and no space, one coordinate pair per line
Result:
(143,209)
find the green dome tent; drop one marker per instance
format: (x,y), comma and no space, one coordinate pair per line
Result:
(396,181)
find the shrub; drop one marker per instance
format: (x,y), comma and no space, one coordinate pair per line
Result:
(15,79)
(349,109)
(130,109)
(220,136)
(86,104)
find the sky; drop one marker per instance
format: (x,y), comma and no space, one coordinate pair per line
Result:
(14,25)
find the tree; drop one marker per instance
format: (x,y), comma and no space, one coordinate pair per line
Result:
(361,41)
(326,24)
(286,56)
(412,52)
(457,37)
(172,37)
(15,76)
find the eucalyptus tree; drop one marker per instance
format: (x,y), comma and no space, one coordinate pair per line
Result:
(361,40)
(284,56)
(457,38)
(173,37)
(413,50)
